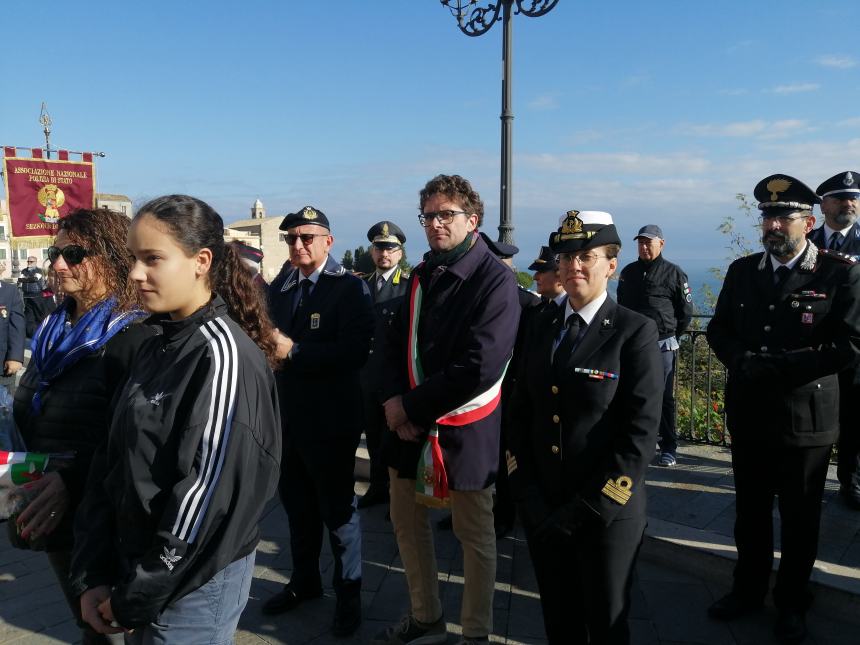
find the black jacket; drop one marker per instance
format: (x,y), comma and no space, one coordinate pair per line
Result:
(75,414)
(851,245)
(659,290)
(576,437)
(332,341)
(192,459)
(386,302)
(11,324)
(784,345)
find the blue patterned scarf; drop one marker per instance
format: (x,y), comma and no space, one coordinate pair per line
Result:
(57,347)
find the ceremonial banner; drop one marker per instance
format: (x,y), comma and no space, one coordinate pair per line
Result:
(41,192)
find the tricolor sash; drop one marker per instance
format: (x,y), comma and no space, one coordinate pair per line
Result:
(431,482)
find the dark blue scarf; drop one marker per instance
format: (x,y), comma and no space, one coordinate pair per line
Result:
(56,347)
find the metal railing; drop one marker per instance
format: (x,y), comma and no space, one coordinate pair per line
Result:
(700,387)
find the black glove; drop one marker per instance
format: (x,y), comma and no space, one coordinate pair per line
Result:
(756,368)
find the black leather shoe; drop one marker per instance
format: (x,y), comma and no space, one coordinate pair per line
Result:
(733,606)
(376,494)
(851,495)
(288,598)
(790,626)
(347,615)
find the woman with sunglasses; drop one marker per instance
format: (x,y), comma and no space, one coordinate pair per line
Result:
(80,355)
(167,533)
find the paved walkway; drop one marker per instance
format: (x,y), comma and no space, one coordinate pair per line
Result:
(685,564)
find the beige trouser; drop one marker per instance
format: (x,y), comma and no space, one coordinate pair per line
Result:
(472,513)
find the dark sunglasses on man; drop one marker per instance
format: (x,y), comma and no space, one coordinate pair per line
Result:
(72,254)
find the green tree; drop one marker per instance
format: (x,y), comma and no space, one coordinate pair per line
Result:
(347,260)
(525,279)
(363,262)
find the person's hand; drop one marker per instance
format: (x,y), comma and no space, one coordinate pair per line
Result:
(395,415)
(95,603)
(44,512)
(284,344)
(10,368)
(408,431)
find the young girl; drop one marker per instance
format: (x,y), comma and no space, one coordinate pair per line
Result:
(166,535)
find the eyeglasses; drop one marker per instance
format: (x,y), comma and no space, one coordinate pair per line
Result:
(444,217)
(586,260)
(306,238)
(72,254)
(784,220)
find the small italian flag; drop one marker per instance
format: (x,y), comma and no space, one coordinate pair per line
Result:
(17,468)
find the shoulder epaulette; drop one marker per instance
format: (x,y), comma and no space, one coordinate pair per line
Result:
(839,256)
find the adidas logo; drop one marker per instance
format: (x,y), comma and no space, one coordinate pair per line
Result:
(169,558)
(158,398)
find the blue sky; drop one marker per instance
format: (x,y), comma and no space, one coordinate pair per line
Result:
(656,112)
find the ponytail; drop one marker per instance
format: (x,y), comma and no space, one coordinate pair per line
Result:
(246,303)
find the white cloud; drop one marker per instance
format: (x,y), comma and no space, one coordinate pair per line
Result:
(544,102)
(795,88)
(615,163)
(837,62)
(738,91)
(757,128)
(853,122)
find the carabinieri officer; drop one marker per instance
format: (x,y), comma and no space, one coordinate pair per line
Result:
(585,415)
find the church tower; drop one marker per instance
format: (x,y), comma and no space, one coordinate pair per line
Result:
(257,210)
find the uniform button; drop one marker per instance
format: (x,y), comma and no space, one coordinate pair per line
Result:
(771,307)
(764,348)
(818,385)
(555,389)
(767,327)
(555,418)
(555,450)
(385,311)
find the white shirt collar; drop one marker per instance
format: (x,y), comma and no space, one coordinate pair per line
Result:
(830,231)
(560,299)
(315,276)
(589,311)
(775,264)
(385,276)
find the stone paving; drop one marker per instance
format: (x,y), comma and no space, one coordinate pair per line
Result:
(685,565)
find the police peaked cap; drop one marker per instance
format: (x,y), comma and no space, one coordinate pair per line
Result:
(248,252)
(307,215)
(581,230)
(845,185)
(386,235)
(500,249)
(545,261)
(784,193)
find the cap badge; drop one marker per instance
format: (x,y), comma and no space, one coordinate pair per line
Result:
(385,230)
(309,213)
(848,180)
(572,223)
(777,186)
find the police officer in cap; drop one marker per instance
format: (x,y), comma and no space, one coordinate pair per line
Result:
(658,288)
(324,315)
(786,322)
(840,203)
(252,257)
(548,284)
(584,422)
(387,286)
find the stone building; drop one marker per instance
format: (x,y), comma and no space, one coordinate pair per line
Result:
(268,238)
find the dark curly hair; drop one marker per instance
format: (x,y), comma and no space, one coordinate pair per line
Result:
(455,188)
(103,233)
(195,225)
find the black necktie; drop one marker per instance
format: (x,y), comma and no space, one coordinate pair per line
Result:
(575,328)
(302,294)
(782,275)
(836,241)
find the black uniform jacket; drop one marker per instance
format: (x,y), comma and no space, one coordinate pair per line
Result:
(659,290)
(466,336)
(851,245)
(580,438)
(192,458)
(783,345)
(319,383)
(386,302)
(11,324)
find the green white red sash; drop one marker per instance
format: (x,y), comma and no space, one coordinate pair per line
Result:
(431,484)
(17,468)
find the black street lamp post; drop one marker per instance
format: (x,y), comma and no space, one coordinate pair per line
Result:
(479,21)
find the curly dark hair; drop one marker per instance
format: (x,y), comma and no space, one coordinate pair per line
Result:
(103,233)
(455,188)
(195,225)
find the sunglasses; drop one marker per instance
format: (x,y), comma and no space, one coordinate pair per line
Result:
(72,254)
(306,238)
